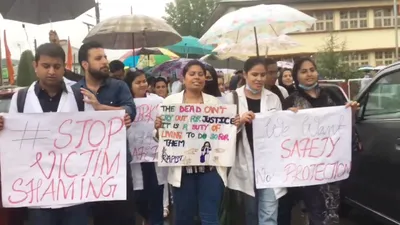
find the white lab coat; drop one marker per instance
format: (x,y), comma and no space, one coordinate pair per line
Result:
(241,176)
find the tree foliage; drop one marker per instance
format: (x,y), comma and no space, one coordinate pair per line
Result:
(331,61)
(26,73)
(189,17)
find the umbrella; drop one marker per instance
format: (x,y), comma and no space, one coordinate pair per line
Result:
(190,45)
(273,20)
(43,11)
(147,57)
(220,61)
(246,48)
(133,31)
(172,68)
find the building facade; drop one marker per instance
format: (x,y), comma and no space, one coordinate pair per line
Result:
(366,27)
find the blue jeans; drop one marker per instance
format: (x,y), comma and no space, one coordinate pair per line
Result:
(150,200)
(199,193)
(263,209)
(74,215)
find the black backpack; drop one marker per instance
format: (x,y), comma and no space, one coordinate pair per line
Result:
(23,92)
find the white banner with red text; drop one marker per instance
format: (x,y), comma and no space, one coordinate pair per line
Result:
(142,145)
(55,159)
(310,147)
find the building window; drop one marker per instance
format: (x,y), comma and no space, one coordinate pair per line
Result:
(357,60)
(384,58)
(324,21)
(384,17)
(353,19)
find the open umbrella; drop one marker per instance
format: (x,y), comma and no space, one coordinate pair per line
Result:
(273,20)
(172,68)
(43,11)
(246,48)
(190,45)
(133,31)
(147,57)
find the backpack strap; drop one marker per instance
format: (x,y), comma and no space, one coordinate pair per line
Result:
(21,96)
(79,99)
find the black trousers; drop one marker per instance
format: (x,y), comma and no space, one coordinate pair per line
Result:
(116,212)
(321,201)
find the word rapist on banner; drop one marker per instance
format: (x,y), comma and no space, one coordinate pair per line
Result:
(142,145)
(197,135)
(312,146)
(53,159)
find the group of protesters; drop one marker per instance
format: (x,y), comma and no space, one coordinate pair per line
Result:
(196,191)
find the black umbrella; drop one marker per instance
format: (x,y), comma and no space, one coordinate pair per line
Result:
(43,11)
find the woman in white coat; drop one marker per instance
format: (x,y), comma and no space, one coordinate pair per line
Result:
(197,190)
(261,204)
(148,179)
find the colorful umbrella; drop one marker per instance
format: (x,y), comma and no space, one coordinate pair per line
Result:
(147,57)
(246,48)
(273,20)
(172,68)
(190,45)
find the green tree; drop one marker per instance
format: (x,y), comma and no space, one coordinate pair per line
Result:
(189,17)
(331,59)
(26,73)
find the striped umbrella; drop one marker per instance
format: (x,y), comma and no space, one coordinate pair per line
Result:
(133,31)
(147,57)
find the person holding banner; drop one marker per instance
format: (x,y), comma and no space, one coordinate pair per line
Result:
(50,94)
(148,178)
(321,201)
(197,190)
(103,93)
(261,204)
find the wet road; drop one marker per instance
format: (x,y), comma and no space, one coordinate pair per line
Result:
(355,218)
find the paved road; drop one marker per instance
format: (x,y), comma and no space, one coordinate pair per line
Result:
(355,218)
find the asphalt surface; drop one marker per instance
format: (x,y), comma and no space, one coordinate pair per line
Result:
(355,218)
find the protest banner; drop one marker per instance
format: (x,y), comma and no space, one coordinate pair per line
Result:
(312,146)
(194,135)
(141,141)
(55,159)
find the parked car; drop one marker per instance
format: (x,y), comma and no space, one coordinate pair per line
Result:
(374,185)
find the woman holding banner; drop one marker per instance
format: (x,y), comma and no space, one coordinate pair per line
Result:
(321,201)
(197,190)
(148,178)
(261,205)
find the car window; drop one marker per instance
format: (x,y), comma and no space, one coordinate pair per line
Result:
(383,99)
(4,105)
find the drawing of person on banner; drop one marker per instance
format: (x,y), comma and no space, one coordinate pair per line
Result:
(205,150)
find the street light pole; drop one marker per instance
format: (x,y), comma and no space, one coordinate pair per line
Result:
(396,29)
(97,11)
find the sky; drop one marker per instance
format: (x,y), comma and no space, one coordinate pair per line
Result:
(18,41)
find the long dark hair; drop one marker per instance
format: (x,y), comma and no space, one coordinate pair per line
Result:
(131,76)
(211,86)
